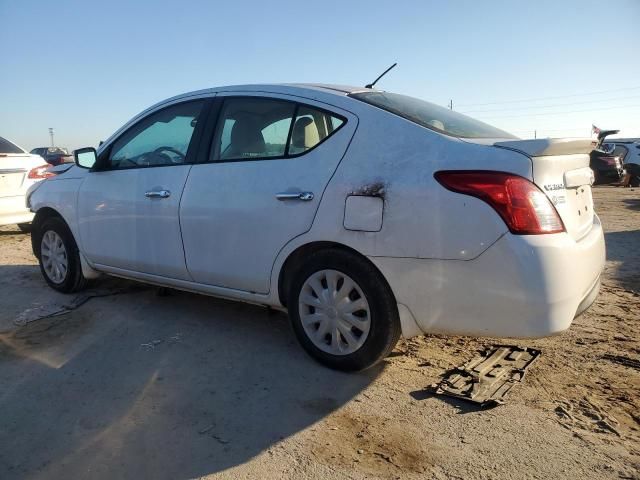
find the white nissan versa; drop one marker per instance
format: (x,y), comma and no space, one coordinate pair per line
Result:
(365,214)
(18,171)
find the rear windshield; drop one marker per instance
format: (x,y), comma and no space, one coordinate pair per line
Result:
(7,147)
(57,151)
(431,116)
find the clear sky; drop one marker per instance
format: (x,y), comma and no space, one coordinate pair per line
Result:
(85,67)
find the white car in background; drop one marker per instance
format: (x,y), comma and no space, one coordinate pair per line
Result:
(365,214)
(18,171)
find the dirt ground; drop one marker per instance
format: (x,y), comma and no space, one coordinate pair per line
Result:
(132,384)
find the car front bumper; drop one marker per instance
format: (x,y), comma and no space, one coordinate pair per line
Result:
(521,286)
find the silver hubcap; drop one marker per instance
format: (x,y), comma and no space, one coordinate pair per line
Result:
(54,256)
(334,312)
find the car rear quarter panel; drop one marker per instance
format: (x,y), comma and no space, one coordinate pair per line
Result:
(395,160)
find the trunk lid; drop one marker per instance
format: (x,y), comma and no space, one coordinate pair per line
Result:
(561,170)
(14,168)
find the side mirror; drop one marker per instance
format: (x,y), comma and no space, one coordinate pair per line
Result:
(85,157)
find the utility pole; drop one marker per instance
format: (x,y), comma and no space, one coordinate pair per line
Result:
(535,134)
(450,104)
(51,135)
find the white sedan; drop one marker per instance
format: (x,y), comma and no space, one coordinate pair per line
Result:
(365,214)
(18,171)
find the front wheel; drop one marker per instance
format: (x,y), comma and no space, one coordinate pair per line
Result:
(342,311)
(59,257)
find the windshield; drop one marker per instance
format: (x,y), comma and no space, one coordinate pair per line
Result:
(431,116)
(7,147)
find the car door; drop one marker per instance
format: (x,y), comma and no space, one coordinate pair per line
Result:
(128,205)
(269,163)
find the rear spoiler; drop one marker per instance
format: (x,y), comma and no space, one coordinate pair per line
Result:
(550,146)
(602,135)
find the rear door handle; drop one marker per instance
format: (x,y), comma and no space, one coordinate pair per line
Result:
(304,196)
(157,194)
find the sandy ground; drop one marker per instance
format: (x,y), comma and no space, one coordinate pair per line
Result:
(137,385)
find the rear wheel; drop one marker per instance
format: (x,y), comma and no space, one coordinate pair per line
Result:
(59,257)
(342,311)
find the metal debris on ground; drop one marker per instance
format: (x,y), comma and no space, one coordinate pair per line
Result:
(487,378)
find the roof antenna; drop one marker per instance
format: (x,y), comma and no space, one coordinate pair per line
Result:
(383,74)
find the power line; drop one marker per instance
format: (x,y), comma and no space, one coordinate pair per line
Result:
(550,105)
(561,113)
(581,129)
(549,98)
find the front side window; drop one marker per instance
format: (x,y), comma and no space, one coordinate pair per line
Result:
(160,139)
(431,116)
(261,128)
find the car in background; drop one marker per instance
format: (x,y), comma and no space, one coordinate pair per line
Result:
(606,165)
(53,155)
(363,213)
(628,150)
(18,171)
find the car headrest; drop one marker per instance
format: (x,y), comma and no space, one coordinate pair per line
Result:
(305,134)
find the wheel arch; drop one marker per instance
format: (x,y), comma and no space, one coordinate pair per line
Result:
(296,256)
(40,217)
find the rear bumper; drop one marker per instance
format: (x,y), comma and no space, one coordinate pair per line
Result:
(521,286)
(13,210)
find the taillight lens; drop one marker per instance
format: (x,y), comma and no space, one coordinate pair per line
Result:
(40,172)
(522,205)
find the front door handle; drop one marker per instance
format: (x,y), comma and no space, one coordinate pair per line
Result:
(157,194)
(304,196)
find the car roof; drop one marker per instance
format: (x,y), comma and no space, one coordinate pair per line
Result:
(300,89)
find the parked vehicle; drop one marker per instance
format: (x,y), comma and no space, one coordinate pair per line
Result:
(53,155)
(365,214)
(606,165)
(628,150)
(18,171)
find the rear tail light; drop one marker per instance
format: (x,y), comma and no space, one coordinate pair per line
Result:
(40,172)
(522,205)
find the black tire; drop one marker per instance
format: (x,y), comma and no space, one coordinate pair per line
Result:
(24,227)
(385,329)
(635,181)
(74,279)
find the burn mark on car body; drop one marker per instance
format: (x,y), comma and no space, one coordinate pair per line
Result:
(376,189)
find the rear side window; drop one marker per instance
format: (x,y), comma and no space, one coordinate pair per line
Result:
(252,128)
(431,116)
(311,128)
(7,147)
